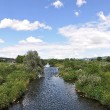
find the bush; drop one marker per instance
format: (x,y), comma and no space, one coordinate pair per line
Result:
(1,79)
(33,62)
(108,59)
(105,99)
(93,68)
(106,68)
(16,82)
(6,69)
(85,79)
(93,78)
(68,74)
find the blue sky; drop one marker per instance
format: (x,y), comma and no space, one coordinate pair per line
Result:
(55,28)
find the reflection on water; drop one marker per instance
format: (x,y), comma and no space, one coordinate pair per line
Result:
(52,93)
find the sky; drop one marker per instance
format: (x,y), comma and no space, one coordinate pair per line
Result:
(55,28)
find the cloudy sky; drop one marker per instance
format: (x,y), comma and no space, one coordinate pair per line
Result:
(55,28)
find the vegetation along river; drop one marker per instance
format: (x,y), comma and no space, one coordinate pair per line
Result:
(52,93)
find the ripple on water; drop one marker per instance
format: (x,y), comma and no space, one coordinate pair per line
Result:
(52,93)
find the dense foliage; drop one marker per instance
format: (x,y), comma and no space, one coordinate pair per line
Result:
(14,78)
(32,62)
(91,77)
(2,59)
(20,58)
(14,81)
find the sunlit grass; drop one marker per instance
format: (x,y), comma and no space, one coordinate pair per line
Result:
(93,78)
(15,83)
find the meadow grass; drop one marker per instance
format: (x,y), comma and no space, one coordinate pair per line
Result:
(91,78)
(14,81)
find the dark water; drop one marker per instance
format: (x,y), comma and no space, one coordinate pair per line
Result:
(52,93)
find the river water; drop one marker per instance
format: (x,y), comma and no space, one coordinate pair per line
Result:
(53,93)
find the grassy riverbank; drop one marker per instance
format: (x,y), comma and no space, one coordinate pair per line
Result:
(13,82)
(91,78)
(15,77)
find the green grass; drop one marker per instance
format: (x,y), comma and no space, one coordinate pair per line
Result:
(14,82)
(68,74)
(91,78)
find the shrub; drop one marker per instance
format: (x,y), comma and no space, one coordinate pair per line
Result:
(85,79)
(93,78)
(93,68)
(106,68)
(1,79)
(69,76)
(105,99)
(16,82)
(33,62)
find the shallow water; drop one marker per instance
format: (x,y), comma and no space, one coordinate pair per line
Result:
(52,93)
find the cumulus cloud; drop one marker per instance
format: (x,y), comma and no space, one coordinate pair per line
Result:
(79,3)
(45,50)
(31,40)
(1,40)
(91,35)
(85,37)
(22,25)
(83,40)
(57,4)
(76,13)
(101,15)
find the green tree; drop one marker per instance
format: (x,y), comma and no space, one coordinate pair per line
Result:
(108,59)
(20,58)
(52,62)
(99,58)
(32,62)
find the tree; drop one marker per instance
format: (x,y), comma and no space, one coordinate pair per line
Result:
(108,59)
(33,62)
(52,62)
(99,58)
(20,58)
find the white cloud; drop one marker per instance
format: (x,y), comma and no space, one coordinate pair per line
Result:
(45,50)
(2,41)
(91,35)
(31,40)
(85,37)
(79,3)
(22,25)
(83,40)
(57,4)
(101,15)
(76,13)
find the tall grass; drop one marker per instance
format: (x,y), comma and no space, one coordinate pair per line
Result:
(93,78)
(15,83)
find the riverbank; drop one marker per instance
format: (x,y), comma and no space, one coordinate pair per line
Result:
(91,78)
(14,82)
(15,77)
(53,93)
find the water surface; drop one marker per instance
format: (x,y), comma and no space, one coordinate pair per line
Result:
(52,93)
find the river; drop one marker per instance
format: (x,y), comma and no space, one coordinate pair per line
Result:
(53,93)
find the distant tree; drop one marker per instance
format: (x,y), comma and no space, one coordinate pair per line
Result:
(93,59)
(108,59)
(99,58)
(32,62)
(66,59)
(52,62)
(19,59)
(44,62)
(72,59)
